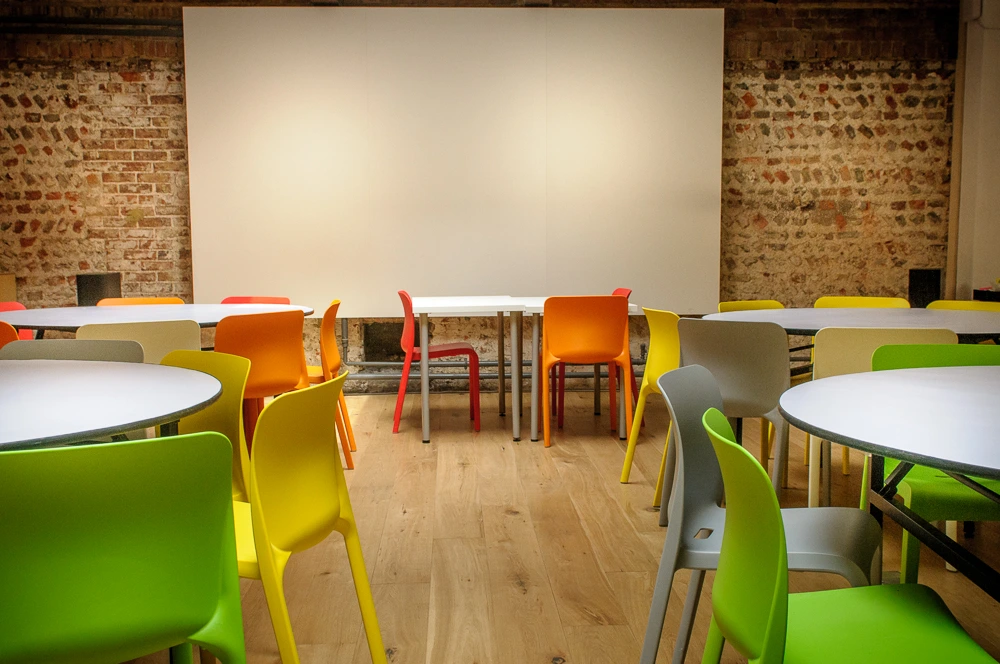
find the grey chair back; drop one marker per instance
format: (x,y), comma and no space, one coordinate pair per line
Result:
(73,349)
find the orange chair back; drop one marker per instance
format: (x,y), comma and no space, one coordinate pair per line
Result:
(329,351)
(255,299)
(273,344)
(17,306)
(128,301)
(7,333)
(406,342)
(586,329)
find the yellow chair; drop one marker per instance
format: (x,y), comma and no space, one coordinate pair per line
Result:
(965,305)
(664,355)
(129,301)
(749,305)
(860,302)
(225,415)
(329,357)
(298,496)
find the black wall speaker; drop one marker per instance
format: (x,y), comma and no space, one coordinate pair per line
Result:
(93,287)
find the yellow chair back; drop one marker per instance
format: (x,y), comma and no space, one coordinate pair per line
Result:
(965,305)
(860,302)
(749,305)
(664,346)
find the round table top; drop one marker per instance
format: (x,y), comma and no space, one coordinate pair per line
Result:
(948,418)
(69,319)
(808,321)
(45,403)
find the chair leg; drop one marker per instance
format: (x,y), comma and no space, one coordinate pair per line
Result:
(633,436)
(474,389)
(909,559)
(554,381)
(713,644)
(364,592)
(669,456)
(846,463)
(182,654)
(347,422)
(401,394)
(344,443)
(561,411)
(613,397)
(687,618)
(547,404)
(661,596)
(627,395)
(765,452)
(866,469)
(635,391)
(805,453)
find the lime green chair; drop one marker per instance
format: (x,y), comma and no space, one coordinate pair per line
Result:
(929,492)
(664,355)
(110,552)
(751,607)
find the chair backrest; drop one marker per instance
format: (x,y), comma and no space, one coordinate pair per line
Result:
(7,334)
(847,350)
(585,329)
(915,356)
(329,350)
(689,392)
(624,292)
(965,305)
(407,340)
(255,299)
(749,361)
(860,302)
(273,344)
(128,301)
(73,349)
(297,487)
(156,337)
(664,344)
(749,305)
(225,414)
(17,306)
(116,550)
(750,591)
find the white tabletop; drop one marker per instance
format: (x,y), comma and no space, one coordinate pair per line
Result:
(69,319)
(808,321)
(948,418)
(44,403)
(458,305)
(536,305)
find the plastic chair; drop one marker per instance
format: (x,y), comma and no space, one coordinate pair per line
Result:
(589,329)
(298,496)
(273,344)
(118,550)
(7,334)
(749,305)
(25,335)
(861,302)
(960,305)
(73,349)
(330,361)
(129,301)
(156,337)
(412,351)
(929,492)
(750,362)
(751,607)
(839,540)
(255,299)
(225,414)
(847,350)
(664,355)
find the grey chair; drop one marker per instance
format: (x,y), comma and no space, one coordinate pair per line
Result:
(840,540)
(73,349)
(750,363)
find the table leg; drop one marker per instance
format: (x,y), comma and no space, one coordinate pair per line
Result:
(501,371)
(876,480)
(535,363)
(425,380)
(39,334)
(516,353)
(169,428)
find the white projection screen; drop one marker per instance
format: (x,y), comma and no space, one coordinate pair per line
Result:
(342,152)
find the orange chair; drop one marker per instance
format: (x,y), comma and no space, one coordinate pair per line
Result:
(128,301)
(26,335)
(255,299)
(273,344)
(329,358)
(7,333)
(441,350)
(586,330)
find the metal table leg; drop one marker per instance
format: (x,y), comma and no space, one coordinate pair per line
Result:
(425,380)
(516,353)
(501,371)
(535,362)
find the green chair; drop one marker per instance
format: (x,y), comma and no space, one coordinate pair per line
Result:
(113,551)
(751,607)
(927,491)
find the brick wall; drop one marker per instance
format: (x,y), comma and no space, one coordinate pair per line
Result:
(836,151)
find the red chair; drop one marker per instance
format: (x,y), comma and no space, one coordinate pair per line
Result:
(441,350)
(26,335)
(559,385)
(255,299)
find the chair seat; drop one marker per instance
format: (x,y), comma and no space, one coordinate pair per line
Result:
(246,552)
(900,623)
(315,375)
(446,350)
(934,495)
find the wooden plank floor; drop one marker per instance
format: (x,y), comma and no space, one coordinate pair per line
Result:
(482,550)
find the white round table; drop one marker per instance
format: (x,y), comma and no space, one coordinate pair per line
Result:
(46,403)
(947,418)
(970,326)
(69,319)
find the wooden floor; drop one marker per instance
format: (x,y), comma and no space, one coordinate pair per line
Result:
(483,550)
